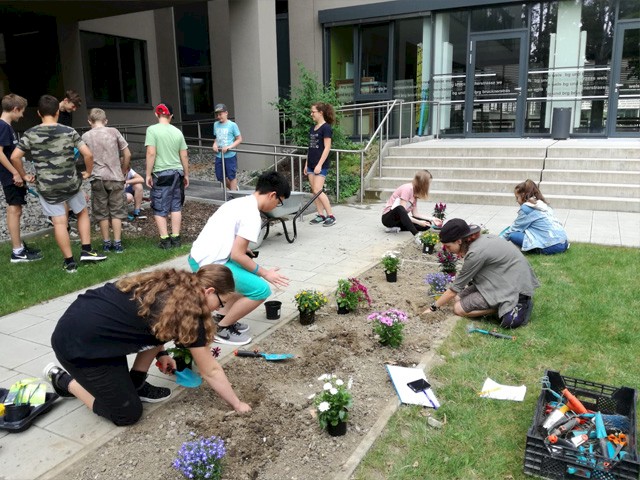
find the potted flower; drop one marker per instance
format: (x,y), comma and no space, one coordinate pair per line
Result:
(201,458)
(182,356)
(350,294)
(308,301)
(391,264)
(438,283)
(447,261)
(429,240)
(388,326)
(439,209)
(332,404)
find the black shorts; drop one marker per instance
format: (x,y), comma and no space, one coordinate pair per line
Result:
(15,195)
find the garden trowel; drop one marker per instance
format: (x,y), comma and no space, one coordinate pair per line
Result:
(274,357)
(188,378)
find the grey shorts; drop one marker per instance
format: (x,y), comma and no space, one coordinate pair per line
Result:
(167,194)
(107,200)
(471,300)
(77,203)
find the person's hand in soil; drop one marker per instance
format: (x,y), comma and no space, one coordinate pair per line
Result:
(272,276)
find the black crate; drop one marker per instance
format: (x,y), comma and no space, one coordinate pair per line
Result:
(540,462)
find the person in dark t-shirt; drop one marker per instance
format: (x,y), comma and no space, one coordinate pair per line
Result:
(68,105)
(138,314)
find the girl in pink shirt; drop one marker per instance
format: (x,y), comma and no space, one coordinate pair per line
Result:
(401,211)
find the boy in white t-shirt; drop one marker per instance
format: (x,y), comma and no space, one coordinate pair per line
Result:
(225,240)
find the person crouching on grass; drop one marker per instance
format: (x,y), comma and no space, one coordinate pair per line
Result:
(138,314)
(495,276)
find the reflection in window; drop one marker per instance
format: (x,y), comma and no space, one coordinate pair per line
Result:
(408,59)
(499,18)
(629,9)
(115,69)
(341,66)
(374,59)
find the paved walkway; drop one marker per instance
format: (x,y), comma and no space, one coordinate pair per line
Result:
(317,259)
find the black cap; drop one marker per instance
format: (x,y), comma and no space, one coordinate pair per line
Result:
(220,107)
(455,229)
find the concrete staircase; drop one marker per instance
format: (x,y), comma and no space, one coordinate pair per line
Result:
(601,174)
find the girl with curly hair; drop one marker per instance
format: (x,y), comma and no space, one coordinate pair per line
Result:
(138,314)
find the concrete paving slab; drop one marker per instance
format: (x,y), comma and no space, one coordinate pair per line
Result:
(81,426)
(17,321)
(16,351)
(38,333)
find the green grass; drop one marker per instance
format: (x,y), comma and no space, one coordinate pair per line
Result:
(584,325)
(26,284)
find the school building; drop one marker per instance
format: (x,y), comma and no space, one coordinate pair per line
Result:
(489,68)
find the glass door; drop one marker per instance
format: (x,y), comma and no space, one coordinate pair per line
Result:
(624,108)
(496,74)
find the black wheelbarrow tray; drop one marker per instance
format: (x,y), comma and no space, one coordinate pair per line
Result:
(295,205)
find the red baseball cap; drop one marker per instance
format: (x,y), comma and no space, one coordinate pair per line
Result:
(164,109)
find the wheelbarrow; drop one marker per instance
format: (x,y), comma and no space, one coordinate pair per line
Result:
(295,205)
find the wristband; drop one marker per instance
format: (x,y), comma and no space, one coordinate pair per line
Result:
(434,307)
(161,354)
(255,270)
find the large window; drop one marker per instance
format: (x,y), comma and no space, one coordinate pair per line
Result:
(115,70)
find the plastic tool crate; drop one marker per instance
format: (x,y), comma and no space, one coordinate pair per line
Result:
(556,465)
(24,423)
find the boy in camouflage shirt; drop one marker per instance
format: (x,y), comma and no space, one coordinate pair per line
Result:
(57,181)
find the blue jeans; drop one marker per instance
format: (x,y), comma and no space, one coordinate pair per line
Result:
(518,237)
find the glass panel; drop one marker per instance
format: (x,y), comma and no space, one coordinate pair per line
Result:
(499,18)
(496,85)
(192,35)
(341,62)
(374,59)
(133,71)
(629,9)
(628,113)
(102,61)
(449,72)
(407,59)
(196,92)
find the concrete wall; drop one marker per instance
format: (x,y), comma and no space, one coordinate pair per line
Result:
(255,76)
(140,26)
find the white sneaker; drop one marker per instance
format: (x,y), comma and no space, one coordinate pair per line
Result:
(392,230)
(417,240)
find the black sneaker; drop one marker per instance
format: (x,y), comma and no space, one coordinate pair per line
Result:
(152,394)
(117,247)
(176,241)
(231,336)
(318,219)
(25,256)
(329,222)
(165,243)
(30,249)
(91,256)
(106,246)
(71,267)
(52,374)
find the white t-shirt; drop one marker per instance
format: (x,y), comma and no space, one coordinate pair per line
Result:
(240,217)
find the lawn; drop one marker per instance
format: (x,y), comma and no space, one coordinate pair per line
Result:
(584,325)
(27,284)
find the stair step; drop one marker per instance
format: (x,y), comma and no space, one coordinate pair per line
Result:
(469,162)
(582,164)
(591,176)
(515,174)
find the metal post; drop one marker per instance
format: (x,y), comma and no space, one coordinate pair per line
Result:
(224,176)
(337,177)
(361,176)
(400,125)
(199,135)
(299,169)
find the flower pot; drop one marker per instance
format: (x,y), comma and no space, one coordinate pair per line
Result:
(391,276)
(181,364)
(273,309)
(343,310)
(427,249)
(307,318)
(337,430)
(15,413)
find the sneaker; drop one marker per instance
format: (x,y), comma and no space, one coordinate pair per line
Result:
(91,256)
(106,246)
(73,234)
(30,249)
(52,374)
(416,239)
(71,267)
(117,247)
(231,336)
(165,243)
(318,219)
(392,230)
(329,222)
(72,216)
(152,394)
(176,241)
(25,256)
(240,327)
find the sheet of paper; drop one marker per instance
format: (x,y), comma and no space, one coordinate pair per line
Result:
(400,376)
(494,390)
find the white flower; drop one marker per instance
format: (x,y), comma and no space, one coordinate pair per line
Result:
(333,375)
(323,406)
(339,382)
(311,396)
(324,376)
(350,383)
(333,391)
(327,386)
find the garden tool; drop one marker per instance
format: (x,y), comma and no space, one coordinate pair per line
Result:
(612,421)
(493,333)
(606,447)
(273,357)
(188,378)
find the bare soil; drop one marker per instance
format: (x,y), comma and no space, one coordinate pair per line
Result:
(280,438)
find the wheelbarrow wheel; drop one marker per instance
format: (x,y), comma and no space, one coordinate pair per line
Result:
(264,232)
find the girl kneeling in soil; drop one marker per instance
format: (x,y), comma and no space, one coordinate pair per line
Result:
(535,229)
(138,314)
(401,211)
(495,276)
